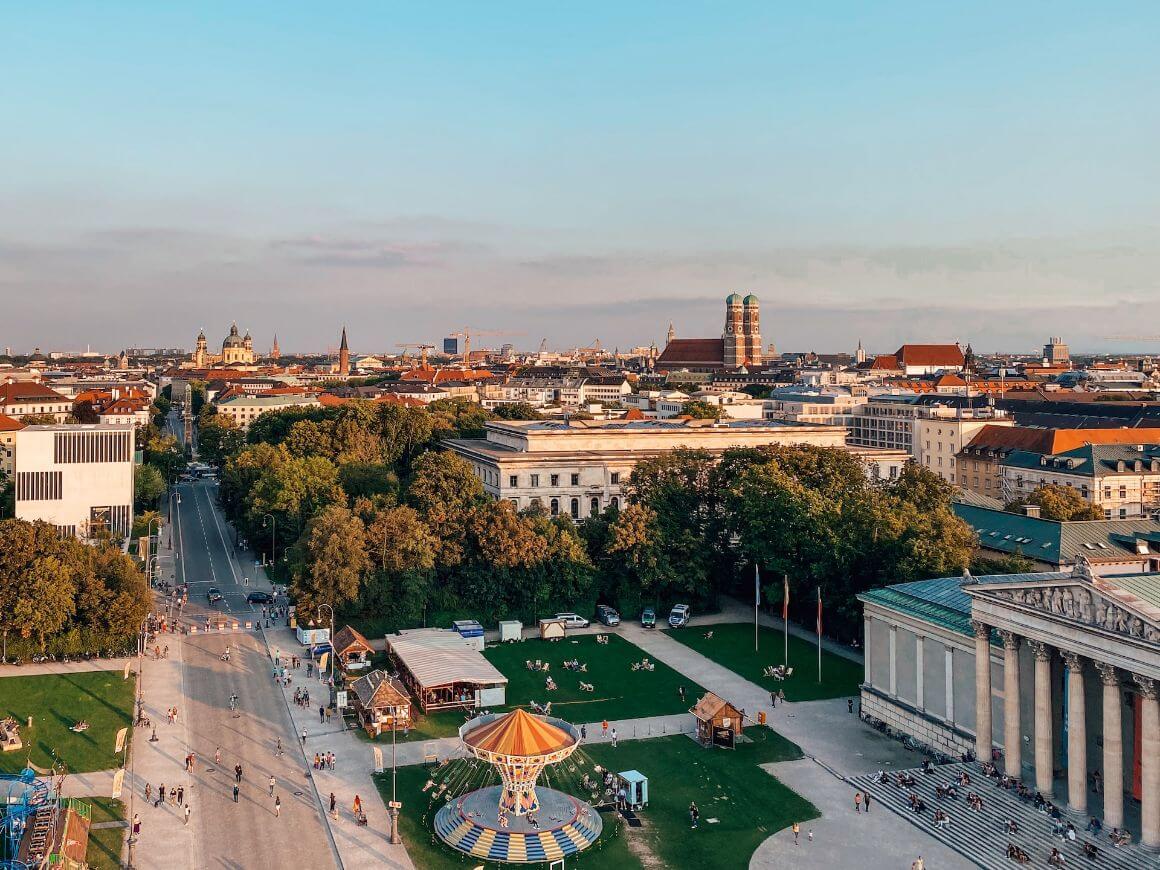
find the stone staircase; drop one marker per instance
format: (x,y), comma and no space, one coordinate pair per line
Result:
(982,836)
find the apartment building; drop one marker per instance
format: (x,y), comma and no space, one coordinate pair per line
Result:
(244,410)
(1122,479)
(78,477)
(940,434)
(830,409)
(28,398)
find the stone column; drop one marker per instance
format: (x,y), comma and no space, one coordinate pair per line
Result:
(1044,762)
(1012,732)
(1149,761)
(983,735)
(1113,747)
(1076,736)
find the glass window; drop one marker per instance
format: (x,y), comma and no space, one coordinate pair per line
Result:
(513,480)
(575,479)
(615,477)
(535,480)
(555,507)
(575,508)
(595,506)
(555,478)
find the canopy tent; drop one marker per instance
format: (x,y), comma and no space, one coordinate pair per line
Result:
(442,669)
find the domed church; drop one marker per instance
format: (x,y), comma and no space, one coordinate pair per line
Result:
(236,349)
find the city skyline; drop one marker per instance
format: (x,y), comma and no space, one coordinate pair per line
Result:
(889,176)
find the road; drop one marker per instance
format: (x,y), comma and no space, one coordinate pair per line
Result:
(245,834)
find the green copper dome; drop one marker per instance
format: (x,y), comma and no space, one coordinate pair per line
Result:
(750,299)
(733,299)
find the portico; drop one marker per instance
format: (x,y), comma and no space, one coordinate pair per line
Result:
(1094,646)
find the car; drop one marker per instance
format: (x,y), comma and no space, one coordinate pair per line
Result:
(607,615)
(648,618)
(259,597)
(213,594)
(573,620)
(680,616)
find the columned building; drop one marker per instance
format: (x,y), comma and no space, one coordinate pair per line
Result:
(1056,673)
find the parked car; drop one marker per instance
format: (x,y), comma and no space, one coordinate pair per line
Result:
(648,618)
(259,597)
(214,594)
(680,616)
(573,620)
(607,615)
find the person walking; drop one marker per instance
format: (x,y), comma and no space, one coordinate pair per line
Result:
(857,801)
(217,756)
(272,783)
(303,736)
(694,814)
(797,829)
(278,748)
(236,790)
(604,728)
(867,801)
(237,773)
(773,699)
(583,732)
(321,715)
(278,806)
(918,864)
(850,706)
(188,810)
(613,738)
(333,805)
(681,693)
(136,825)
(148,792)
(160,796)
(180,794)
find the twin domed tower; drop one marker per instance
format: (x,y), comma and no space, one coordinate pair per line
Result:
(742,336)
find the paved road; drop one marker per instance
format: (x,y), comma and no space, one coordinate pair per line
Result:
(246,834)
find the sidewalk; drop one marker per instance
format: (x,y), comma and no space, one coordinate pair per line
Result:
(359,847)
(78,667)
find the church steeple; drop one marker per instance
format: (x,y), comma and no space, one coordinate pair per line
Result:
(343,356)
(275,351)
(671,334)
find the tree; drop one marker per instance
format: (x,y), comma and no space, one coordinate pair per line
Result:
(148,486)
(444,490)
(85,413)
(700,410)
(515,411)
(1060,503)
(332,560)
(460,417)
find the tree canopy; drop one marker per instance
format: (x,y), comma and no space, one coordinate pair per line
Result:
(1059,502)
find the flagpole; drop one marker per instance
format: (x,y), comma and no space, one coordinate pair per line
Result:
(785,615)
(819,627)
(756,601)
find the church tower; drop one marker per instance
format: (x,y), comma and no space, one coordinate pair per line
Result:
(201,353)
(751,324)
(734,334)
(275,351)
(671,334)
(859,354)
(343,356)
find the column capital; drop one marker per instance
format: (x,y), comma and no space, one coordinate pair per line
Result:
(1108,673)
(1147,686)
(982,630)
(1010,639)
(1040,650)
(1073,660)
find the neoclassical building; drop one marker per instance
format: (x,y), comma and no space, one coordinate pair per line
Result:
(1059,671)
(236,349)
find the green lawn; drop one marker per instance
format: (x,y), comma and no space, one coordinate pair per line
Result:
(620,692)
(727,785)
(56,702)
(104,852)
(732,647)
(444,723)
(748,803)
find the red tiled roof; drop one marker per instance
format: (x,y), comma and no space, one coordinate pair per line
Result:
(887,362)
(930,355)
(9,424)
(695,351)
(950,381)
(27,390)
(1055,441)
(633,414)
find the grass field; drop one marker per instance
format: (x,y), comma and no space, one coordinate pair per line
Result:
(731,646)
(104,852)
(729,786)
(56,702)
(620,692)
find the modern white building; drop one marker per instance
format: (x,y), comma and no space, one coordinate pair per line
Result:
(79,478)
(940,433)
(244,410)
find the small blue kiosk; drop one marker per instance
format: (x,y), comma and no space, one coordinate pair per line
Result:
(635,786)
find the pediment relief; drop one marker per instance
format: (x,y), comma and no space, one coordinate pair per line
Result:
(1078,602)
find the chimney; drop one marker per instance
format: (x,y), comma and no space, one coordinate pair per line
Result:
(1031,510)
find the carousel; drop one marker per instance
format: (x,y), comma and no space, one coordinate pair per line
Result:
(514,821)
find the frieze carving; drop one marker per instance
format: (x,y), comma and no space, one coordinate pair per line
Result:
(1080,605)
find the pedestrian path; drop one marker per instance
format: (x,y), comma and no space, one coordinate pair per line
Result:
(366,846)
(982,835)
(31,669)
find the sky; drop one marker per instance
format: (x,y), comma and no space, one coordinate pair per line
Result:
(888,172)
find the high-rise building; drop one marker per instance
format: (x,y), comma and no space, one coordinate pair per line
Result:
(79,478)
(1055,352)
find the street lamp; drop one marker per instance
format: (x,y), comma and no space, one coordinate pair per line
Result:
(149,533)
(273,539)
(151,565)
(394,806)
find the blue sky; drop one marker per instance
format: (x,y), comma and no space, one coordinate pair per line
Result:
(894,171)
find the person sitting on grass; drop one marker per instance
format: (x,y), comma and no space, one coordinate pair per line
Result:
(549,684)
(80,726)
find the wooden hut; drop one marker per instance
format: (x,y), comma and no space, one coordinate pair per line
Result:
(381,703)
(353,650)
(718,721)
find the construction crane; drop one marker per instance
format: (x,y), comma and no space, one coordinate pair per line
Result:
(423,348)
(469,331)
(1131,338)
(543,345)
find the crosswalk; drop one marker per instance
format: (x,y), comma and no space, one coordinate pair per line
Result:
(982,837)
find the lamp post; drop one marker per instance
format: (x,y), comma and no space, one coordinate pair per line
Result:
(394,806)
(142,642)
(149,533)
(273,539)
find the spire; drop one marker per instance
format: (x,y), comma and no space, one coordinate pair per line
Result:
(342,344)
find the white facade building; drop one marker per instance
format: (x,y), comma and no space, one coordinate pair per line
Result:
(940,433)
(244,410)
(79,478)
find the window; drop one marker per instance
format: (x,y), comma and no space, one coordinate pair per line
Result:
(535,480)
(555,478)
(1123,492)
(555,507)
(515,503)
(1123,512)
(614,503)
(513,480)
(615,478)
(575,509)
(595,507)
(575,479)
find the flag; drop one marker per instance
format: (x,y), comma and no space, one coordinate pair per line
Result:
(785,599)
(819,613)
(756,586)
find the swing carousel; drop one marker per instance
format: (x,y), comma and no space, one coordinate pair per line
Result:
(514,821)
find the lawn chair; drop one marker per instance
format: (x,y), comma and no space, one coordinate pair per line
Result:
(788,673)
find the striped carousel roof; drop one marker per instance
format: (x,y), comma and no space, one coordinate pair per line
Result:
(519,733)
